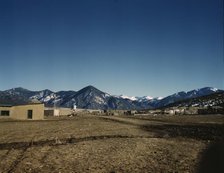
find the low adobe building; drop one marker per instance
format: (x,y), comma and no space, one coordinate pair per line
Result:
(51,111)
(23,112)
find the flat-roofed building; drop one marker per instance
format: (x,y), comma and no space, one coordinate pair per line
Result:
(23,112)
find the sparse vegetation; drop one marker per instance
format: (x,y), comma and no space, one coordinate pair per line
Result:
(108,143)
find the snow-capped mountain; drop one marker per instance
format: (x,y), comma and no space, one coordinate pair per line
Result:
(127,97)
(140,99)
(43,96)
(214,99)
(185,95)
(145,98)
(88,97)
(133,98)
(92,98)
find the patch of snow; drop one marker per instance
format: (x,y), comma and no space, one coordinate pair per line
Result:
(99,100)
(194,105)
(159,98)
(127,97)
(46,99)
(56,100)
(139,99)
(144,98)
(41,94)
(148,97)
(214,89)
(106,95)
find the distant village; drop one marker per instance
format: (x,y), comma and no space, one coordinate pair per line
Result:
(37,111)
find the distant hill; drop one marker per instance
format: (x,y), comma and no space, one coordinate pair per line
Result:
(92,98)
(214,99)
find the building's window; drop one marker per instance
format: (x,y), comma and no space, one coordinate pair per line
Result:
(5,113)
(30,114)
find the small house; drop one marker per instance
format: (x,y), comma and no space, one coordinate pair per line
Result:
(130,112)
(34,111)
(58,111)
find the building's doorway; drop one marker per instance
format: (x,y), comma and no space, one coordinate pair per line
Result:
(30,114)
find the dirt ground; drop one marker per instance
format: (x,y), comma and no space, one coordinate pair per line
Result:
(110,144)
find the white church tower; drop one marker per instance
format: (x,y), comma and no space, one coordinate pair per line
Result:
(74,106)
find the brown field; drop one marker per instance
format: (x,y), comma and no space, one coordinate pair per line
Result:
(113,144)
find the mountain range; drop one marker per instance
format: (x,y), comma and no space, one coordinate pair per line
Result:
(92,98)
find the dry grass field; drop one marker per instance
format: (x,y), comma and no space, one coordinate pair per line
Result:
(113,144)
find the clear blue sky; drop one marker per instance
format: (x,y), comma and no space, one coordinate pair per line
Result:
(131,47)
